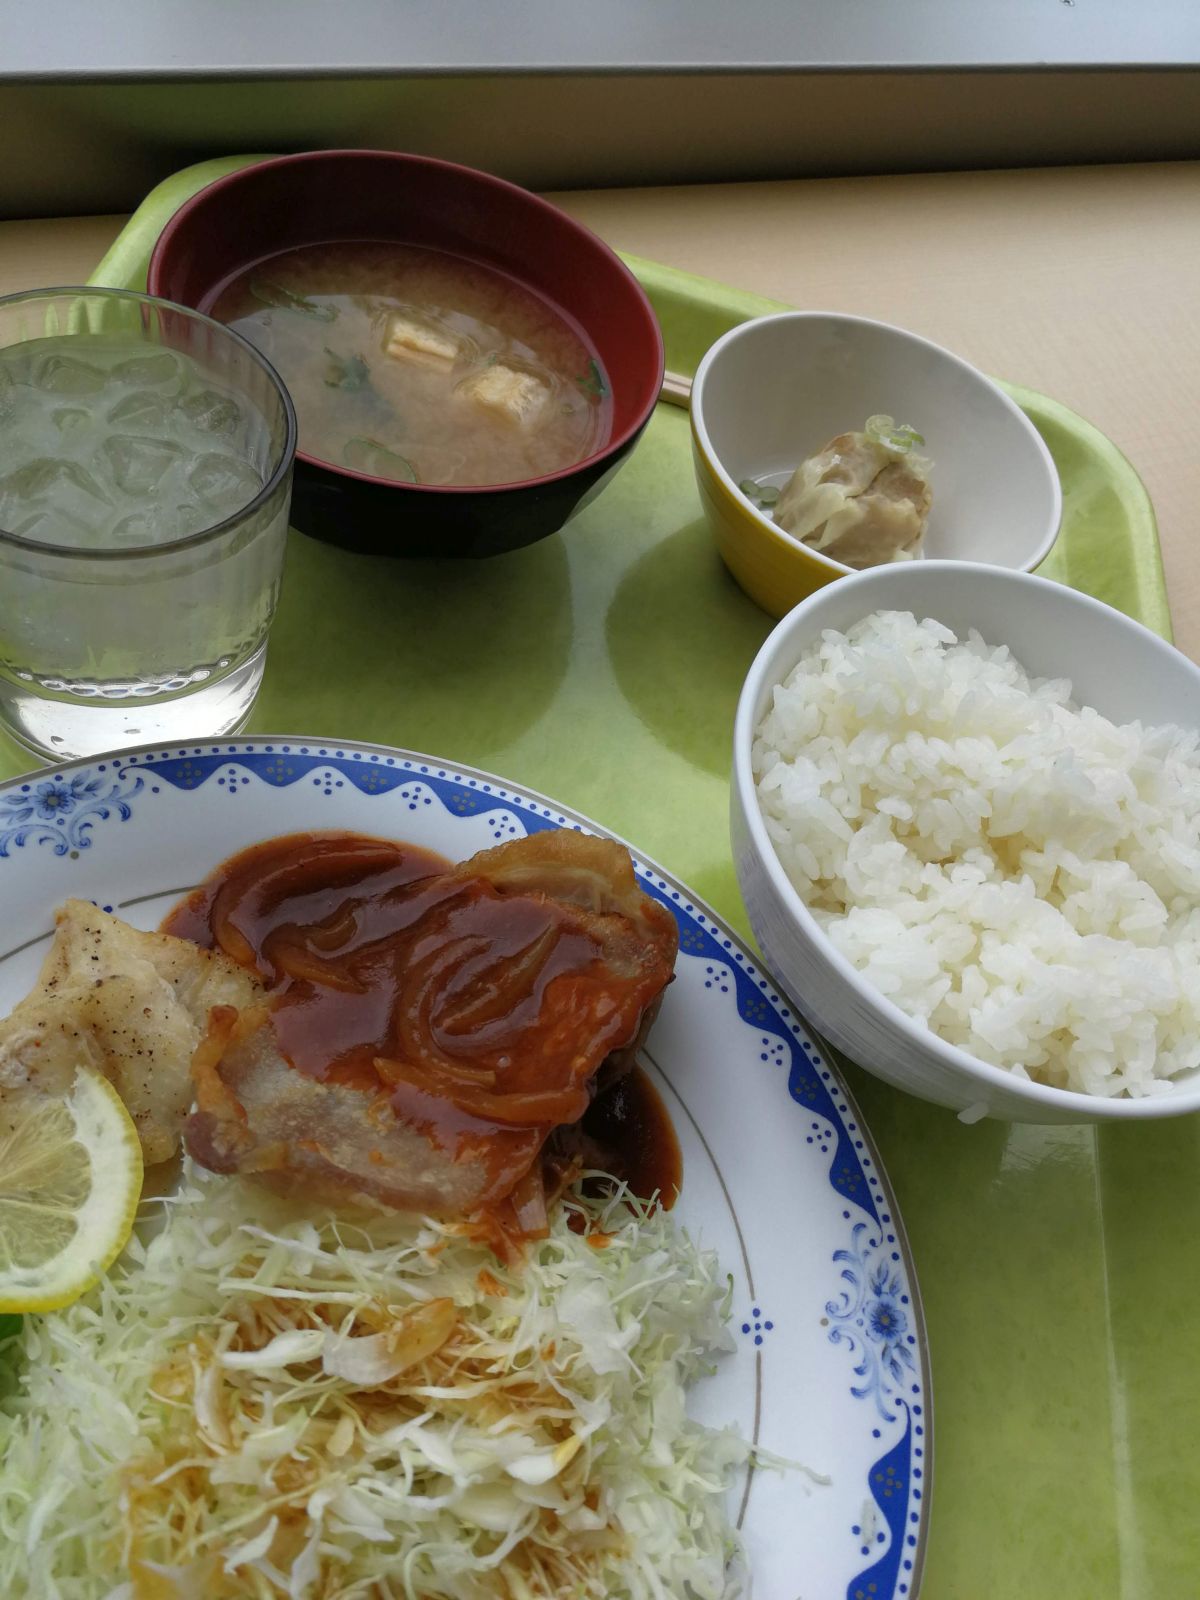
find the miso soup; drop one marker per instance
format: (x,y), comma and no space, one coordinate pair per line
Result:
(420,366)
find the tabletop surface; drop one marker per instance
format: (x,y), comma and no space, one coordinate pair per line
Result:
(1054,1261)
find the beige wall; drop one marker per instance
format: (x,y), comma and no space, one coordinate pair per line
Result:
(93,147)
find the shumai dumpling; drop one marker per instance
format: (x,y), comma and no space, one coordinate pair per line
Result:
(863,499)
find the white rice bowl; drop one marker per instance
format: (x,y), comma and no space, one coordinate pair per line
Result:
(1019,873)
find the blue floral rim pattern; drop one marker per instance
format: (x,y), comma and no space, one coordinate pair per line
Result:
(875,1314)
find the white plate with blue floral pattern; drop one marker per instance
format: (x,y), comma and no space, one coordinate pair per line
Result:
(780,1177)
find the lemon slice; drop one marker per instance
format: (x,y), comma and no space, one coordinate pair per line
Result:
(70,1178)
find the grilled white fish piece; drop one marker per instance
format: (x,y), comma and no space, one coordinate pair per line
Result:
(134,1005)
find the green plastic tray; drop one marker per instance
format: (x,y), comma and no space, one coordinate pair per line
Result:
(1053,1261)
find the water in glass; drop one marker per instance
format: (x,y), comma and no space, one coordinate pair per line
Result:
(139,555)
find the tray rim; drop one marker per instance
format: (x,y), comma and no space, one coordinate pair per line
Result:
(685,292)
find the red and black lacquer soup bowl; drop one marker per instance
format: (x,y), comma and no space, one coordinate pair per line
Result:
(339,195)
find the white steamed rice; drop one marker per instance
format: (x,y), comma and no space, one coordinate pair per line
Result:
(1018,872)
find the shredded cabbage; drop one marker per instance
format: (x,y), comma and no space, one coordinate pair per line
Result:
(260,1403)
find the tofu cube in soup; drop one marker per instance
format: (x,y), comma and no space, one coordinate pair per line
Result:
(407,340)
(515,397)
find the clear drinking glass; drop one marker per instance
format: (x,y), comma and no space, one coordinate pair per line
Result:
(145,476)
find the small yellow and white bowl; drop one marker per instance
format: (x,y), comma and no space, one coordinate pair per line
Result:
(774,390)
